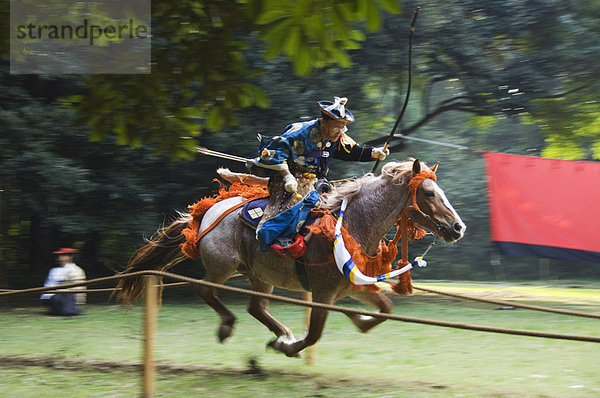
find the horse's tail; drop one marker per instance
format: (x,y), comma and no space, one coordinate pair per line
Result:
(161,252)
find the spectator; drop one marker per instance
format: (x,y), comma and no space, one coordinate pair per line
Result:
(67,272)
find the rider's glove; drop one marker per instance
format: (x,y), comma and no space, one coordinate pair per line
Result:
(379,153)
(291,185)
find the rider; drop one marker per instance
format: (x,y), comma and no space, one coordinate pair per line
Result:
(303,152)
(312,144)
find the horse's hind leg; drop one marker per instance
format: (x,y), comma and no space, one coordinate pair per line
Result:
(377,299)
(208,294)
(259,308)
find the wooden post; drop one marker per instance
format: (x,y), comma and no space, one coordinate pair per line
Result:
(311,351)
(151,303)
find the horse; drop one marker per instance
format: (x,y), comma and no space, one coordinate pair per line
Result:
(374,204)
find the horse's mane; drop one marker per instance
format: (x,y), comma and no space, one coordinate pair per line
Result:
(398,173)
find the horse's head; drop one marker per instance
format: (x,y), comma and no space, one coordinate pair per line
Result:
(433,210)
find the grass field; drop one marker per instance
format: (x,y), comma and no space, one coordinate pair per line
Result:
(98,354)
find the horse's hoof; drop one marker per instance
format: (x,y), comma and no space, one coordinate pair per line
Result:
(224,332)
(272,344)
(283,344)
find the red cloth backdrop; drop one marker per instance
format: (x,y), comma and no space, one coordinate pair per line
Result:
(544,207)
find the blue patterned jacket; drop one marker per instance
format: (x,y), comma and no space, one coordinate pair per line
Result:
(302,143)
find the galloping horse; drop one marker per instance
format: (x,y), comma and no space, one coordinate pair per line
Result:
(375,203)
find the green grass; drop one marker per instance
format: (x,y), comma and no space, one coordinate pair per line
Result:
(396,359)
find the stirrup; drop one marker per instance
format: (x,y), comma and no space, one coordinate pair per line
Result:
(295,249)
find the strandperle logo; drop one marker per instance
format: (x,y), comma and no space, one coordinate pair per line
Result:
(80,37)
(85,31)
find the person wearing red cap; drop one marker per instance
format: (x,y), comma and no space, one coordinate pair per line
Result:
(66,272)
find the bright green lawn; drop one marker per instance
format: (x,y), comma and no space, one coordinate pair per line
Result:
(395,359)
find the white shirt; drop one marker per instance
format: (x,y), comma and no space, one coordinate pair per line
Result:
(73,273)
(55,277)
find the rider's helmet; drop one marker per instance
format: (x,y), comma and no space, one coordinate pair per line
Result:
(336,110)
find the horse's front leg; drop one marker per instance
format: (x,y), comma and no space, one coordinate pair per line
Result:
(291,348)
(259,309)
(316,325)
(377,299)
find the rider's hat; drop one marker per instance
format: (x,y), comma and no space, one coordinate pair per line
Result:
(65,250)
(337,110)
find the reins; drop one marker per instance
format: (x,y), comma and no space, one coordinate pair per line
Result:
(406,224)
(406,229)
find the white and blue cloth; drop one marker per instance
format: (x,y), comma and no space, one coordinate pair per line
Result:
(346,265)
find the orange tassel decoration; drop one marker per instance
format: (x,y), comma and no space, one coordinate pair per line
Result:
(404,285)
(379,264)
(410,231)
(382,262)
(198,209)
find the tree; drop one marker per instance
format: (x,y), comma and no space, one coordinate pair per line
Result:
(497,59)
(532,60)
(503,59)
(58,189)
(482,69)
(200,75)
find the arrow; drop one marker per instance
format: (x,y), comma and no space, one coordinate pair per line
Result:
(222,155)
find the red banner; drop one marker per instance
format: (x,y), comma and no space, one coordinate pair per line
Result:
(544,207)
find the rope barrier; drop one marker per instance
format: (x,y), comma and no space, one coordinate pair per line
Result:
(107,289)
(7,292)
(510,303)
(328,307)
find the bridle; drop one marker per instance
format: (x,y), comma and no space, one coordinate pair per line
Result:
(405,226)
(413,185)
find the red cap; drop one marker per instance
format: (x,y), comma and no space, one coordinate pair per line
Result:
(65,250)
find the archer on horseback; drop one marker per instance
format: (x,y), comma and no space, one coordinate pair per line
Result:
(295,159)
(301,156)
(312,144)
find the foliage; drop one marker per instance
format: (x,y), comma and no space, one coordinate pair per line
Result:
(200,76)
(496,58)
(579,116)
(511,59)
(510,76)
(59,189)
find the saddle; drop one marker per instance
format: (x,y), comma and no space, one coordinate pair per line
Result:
(285,246)
(252,212)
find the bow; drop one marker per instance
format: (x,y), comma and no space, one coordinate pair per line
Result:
(401,115)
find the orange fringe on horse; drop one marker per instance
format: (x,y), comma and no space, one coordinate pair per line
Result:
(379,264)
(198,209)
